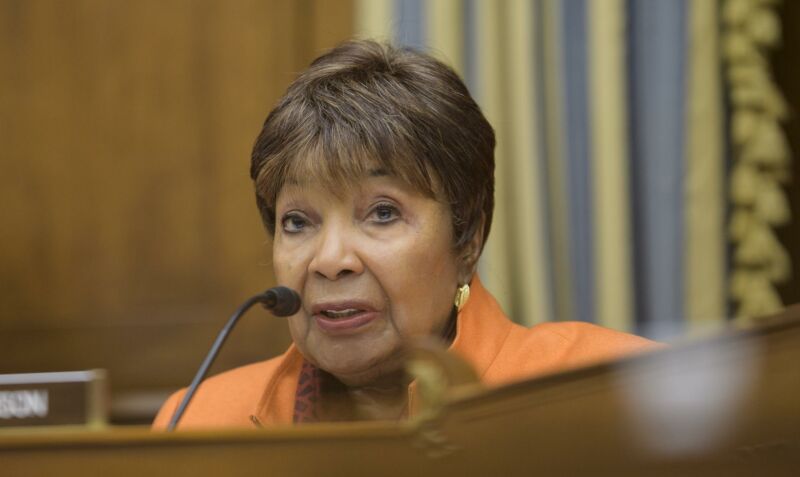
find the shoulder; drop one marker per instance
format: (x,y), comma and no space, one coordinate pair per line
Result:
(227,398)
(243,377)
(557,346)
(587,336)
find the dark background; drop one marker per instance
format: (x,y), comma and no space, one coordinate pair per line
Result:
(787,75)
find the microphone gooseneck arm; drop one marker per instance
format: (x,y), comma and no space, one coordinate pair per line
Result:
(281,301)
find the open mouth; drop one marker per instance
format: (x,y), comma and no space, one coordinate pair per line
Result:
(338,314)
(343,318)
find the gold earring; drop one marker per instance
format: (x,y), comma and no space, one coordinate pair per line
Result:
(462,295)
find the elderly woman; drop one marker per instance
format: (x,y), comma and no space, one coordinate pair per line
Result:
(374,175)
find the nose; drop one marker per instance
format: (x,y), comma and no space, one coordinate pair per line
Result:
(335,255)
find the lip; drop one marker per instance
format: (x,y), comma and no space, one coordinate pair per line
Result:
(349,325)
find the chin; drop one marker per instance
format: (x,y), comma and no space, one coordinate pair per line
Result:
(358,371)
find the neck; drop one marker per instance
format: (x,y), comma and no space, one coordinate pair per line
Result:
(385,399)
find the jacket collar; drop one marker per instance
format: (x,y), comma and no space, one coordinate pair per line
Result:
(481,330)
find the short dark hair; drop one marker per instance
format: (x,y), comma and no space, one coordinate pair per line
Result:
(364,105)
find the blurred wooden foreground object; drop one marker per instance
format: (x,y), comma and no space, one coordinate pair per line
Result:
(725,406)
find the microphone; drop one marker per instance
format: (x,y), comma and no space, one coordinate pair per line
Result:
(281,301)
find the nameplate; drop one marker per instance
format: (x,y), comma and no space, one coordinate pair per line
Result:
(53,399)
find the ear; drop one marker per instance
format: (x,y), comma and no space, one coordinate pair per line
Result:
(468,258)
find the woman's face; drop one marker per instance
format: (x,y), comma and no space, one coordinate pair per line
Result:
(375,265)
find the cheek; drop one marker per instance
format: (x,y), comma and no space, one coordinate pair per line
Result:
(298,325)
(289,268)
(287,265)
(424,286)
(283,271)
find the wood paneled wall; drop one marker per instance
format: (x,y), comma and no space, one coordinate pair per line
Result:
(128,227)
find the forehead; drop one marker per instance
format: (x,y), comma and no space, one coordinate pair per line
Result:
(373,181)
(340,174)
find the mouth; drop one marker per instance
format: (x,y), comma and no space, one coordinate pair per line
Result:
(336,315)
(343,318)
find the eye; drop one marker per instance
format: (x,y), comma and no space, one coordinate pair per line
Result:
(293,223)
(384,213)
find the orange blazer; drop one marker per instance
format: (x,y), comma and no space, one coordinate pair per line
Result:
(499,350)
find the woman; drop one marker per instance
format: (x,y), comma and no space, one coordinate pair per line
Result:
(374,174)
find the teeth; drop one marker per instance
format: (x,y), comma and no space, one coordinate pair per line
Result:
(340,313)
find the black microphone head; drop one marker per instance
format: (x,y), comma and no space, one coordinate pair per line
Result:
(282,301)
